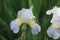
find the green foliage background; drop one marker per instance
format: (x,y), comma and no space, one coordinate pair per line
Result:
(8,12)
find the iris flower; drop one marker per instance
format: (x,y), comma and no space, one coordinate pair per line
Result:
(54,29)
(25,16)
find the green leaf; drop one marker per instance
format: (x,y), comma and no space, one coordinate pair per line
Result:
(7,9)
(46,38)
(37,6)
(2,38)
(2,22)
(24,3)
(30,3)
(3,25)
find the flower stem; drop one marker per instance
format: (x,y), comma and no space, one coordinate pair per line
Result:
(23,36)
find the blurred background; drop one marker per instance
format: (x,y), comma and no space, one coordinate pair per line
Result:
(8,12)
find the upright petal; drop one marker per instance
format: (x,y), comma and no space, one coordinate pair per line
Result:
(26,15)
(53,33)
(15,25)
(35,28)
(58,11)
(55,19)
(31,7)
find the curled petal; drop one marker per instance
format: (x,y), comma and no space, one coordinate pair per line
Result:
(56,14)
(15,25)
(53,33)
(48,12)
(35,29)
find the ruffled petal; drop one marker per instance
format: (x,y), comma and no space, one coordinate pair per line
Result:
(26,14)
(53,33)
(35,29)
(15,25)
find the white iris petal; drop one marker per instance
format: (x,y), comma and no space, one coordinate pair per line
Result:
(35,29)
(49,12)
(54,30)
(53,33)
(15,25)
(58,11)
(56,14)
(25,16)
